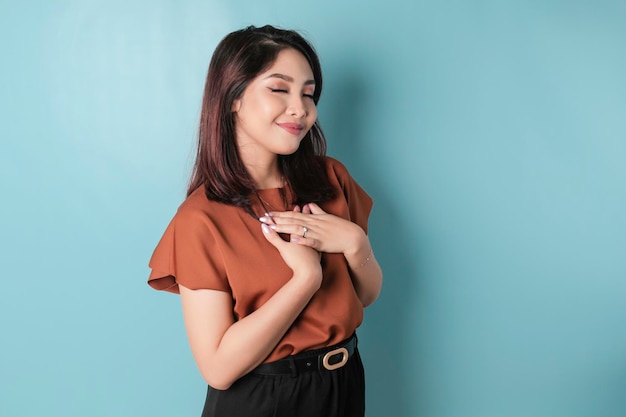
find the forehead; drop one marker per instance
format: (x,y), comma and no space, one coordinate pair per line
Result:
(291,63)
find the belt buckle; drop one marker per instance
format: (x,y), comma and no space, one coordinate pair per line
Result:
(326,359)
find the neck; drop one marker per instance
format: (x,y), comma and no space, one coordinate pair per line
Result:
(261,164)
(266,175)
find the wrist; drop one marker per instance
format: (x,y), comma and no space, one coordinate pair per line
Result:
(360,253)
(312,279)
(363,262)
(357,244)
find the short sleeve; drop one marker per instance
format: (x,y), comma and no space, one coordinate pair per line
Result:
(359,202)
(188,254)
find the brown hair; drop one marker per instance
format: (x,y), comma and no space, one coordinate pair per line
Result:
(237,60)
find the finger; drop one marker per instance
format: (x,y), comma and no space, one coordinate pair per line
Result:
(267,219)
(272,236)
(306,209)
(291,229)
(295,238)
(289,217)
(304,241)
(296,209)
(292,214)
(315,209)
(302,236)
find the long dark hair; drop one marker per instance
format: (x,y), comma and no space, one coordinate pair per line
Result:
(237,60)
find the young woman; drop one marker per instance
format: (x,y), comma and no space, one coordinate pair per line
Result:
(269,251)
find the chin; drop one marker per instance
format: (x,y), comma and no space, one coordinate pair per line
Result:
(287,153)
(288,150)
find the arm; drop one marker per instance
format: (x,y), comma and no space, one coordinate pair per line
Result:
(367,276)
(225,350)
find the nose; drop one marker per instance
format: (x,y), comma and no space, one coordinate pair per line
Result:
(297,107)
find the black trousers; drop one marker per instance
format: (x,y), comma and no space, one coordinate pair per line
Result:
(319,393)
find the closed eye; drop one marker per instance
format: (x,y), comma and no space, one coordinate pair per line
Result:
(283,91)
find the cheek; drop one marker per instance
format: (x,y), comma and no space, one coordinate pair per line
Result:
(272,106)
(262,103)
(312,114)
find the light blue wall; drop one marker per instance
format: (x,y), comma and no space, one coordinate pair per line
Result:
(491,134)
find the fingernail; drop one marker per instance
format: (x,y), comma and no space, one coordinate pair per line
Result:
(265,228)
(264,219)
(272,226)
(295,239)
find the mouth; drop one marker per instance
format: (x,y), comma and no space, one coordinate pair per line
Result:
(293,128)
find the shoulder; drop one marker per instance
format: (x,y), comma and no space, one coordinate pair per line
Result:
(188,252)
(336,169)
(334,164)
(197,210)
(340,177)
(352,202)
(197,200)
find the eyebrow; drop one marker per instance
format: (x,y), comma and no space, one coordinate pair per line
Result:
(288,78)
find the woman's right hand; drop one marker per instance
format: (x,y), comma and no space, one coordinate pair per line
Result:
(226,349)
(303,260)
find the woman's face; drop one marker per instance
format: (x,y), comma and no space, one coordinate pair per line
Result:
(276,109)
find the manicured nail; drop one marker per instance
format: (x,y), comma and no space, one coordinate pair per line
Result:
(265,228)
(264,219)
(295,239)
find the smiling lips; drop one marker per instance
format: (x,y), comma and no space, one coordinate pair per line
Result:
(293,128)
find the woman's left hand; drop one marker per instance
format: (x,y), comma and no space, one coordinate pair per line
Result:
(311,226)
(315,228)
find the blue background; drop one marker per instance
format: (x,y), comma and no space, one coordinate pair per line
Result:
(491,134)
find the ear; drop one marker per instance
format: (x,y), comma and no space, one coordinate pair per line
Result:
(236,105)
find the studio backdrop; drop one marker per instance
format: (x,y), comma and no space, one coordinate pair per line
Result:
(491,135)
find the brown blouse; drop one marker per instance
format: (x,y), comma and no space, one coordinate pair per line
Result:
(210,245)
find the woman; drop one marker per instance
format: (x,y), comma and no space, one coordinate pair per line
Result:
(269,251)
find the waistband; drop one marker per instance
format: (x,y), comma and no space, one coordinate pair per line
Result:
(325,359)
